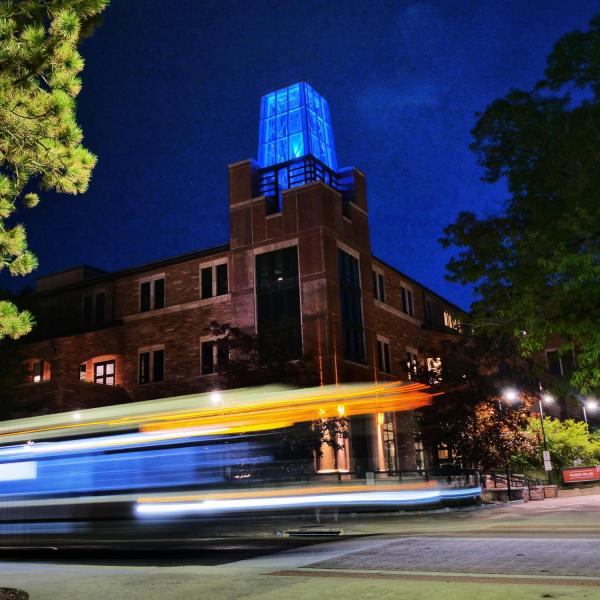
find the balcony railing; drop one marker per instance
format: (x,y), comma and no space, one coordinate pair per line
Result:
(271,181)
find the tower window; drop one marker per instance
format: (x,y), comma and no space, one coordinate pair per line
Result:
(351,307)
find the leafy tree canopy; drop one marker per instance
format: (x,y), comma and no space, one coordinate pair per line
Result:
(536,265)
(40,141)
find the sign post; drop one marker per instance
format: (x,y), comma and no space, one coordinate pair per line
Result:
(547,461)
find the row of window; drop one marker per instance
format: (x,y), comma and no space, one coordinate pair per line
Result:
(214,281)
(380,294)
(408,307)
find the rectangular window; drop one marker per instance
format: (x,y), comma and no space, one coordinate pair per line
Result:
(389,441)
(152,294)
(428,312)
(222,282)
(151,365)
(104,372)
(145,296)
(100,303)
(38,371)
(560,364)
(207,351)
(378,286)
(407,301)
(83,372)
(144,367)
(88,313)
(278,304)
(214,281)
(450,321)
(412,363)
(383,356)
(159,293)
(206,281)
(351,307)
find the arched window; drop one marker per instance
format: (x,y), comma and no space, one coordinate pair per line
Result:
(100,369)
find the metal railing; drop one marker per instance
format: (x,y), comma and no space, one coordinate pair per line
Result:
(271,181)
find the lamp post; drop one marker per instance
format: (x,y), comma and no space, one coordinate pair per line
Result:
(549,399)
(510,396)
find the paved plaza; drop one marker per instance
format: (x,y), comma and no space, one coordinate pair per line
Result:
(549,549)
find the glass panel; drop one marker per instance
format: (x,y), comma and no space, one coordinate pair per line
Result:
(295,121)
(82,372)
(87,310)
(296,145)
(159,365)
(110,368)
(207,358)
(206,283)
(281,102)
(282,150)
(270,105)
(222,284)
(100,301)
(294,96)
(145,296)
(99,369)
(159,293)
(144,367)
(109,381)
(281,126)
(270,130)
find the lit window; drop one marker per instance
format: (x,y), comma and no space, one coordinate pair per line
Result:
(214,280)
(389,441)
(434,368)
(412,362)
(383,355)
(378,286)
(104,372)
(407,301)
(82,372)
(151,365)
(152,293)
(450,321)
(40,370)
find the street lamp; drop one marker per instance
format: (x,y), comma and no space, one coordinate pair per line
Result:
(591,405)
(549,400)
(511,395)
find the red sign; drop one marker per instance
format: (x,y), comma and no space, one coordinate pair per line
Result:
(581,474)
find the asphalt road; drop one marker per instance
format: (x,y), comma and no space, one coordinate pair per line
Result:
(549,549)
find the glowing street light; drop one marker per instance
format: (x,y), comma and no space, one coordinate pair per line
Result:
(590,405)
(510,395)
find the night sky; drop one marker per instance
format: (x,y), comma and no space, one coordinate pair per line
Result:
(171,96)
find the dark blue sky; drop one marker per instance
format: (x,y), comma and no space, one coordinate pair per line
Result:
(171,96)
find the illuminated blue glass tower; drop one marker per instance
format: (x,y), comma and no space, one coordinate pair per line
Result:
(294,123)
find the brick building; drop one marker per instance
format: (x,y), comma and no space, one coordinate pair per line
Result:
(298,266)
